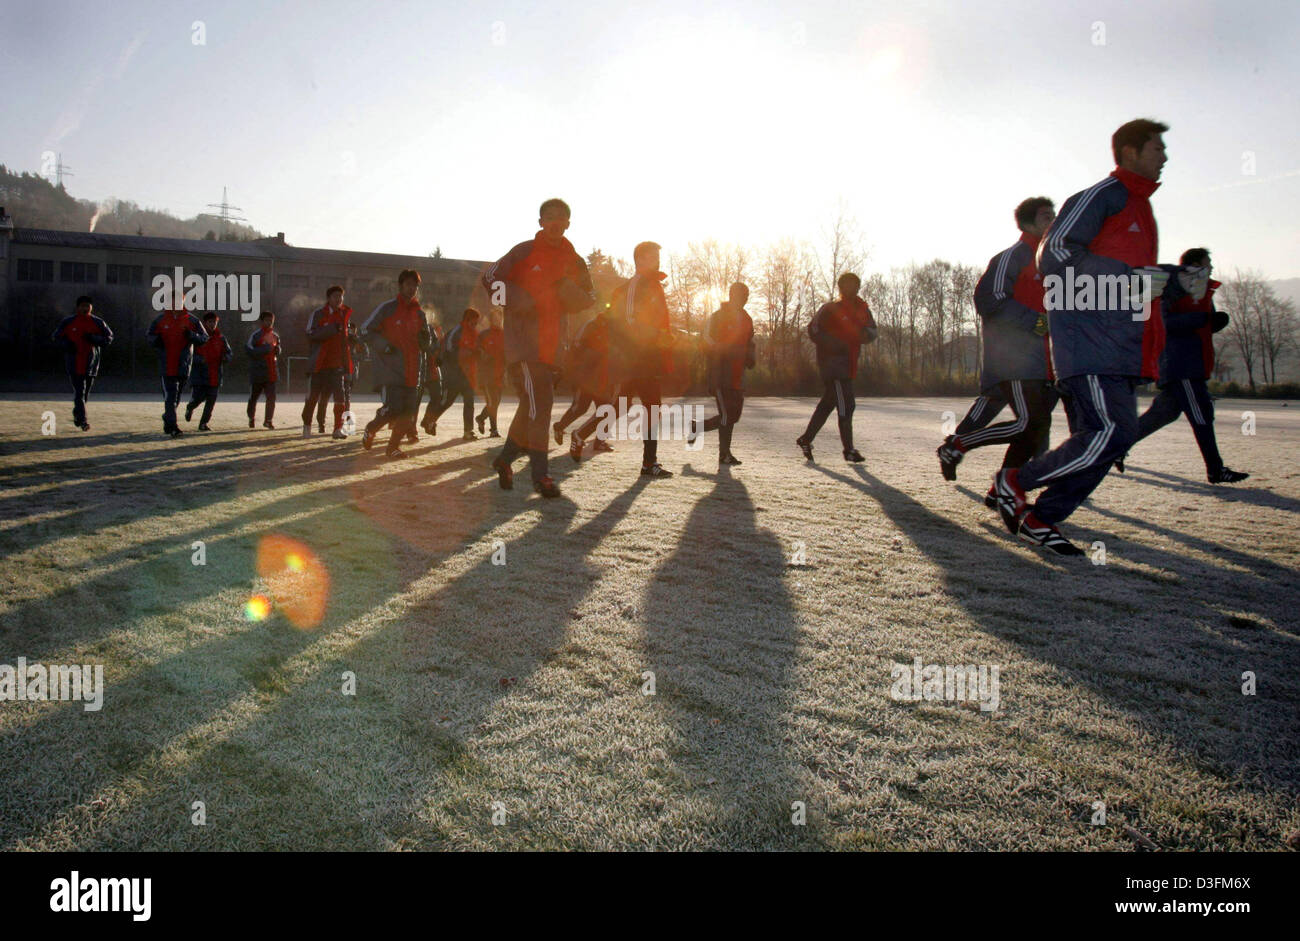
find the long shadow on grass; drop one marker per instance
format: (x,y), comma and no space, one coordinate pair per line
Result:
(425,685)
(1169,658)
(721,639)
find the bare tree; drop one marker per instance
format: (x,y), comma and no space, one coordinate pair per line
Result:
(1242,296)
(843,249)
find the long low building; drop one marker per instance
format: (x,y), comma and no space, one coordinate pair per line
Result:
(43,271)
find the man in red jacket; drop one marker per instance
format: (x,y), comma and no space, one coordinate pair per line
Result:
(730,349)
(82,335)
(175,333)
(330,359)
(263,349)
(492,346)
(1187,364)
(460,355)
(399,333)
(539,283)
(205,376)
(838,330)
(640,313)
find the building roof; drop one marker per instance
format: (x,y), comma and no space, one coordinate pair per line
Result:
(267,248)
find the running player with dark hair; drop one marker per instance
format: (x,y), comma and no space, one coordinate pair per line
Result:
(538,282)
(263,349)
(1016,355)
(398,335)
(1187,364)
(175,333)
(492,346)
(330,360)
(209,363)
(730,351)
(460,355)
(839,329)
(83,336)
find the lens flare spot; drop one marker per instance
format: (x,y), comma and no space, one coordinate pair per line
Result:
(295,578)
(257,608)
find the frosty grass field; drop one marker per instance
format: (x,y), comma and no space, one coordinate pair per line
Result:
(517,691)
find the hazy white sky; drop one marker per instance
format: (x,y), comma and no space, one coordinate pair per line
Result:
(396,127)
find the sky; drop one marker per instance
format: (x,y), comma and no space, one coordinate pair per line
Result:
(401,127)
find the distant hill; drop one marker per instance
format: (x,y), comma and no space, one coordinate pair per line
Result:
(36,203)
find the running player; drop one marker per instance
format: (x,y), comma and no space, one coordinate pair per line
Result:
(263,349)
(399,334)
(175,333)
(460,354)
(492,345)
(838,330)
(640,313)
(538,282)
(1100,355)
(83,336)
(329,361)
(1188,362)
(730,352)
(205,378)
(1017,361)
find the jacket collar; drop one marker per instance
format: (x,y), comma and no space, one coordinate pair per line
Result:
(1030,240)
(1134,182)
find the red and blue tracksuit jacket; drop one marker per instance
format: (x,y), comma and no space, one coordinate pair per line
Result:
(1107,229)
(82,337)
(327,329)
(263,349)
(1009,300)
(1189,347)
(210,360)
(175,333)
(838,330)
(400,338)
(535,304)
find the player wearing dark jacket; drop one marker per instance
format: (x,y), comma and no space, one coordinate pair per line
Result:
(730,351)
(538,282)
(492,346)
(1187,364)
(1016,358)
(82,336)
(399,337)
(263,349)
(175,333)
(460,355)
(838,330)
(329,361)
(433,384)
(1101,350)
(210,359)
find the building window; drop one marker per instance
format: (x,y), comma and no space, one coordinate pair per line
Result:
(78,272)
(123,274)
(35,269)
(295,281)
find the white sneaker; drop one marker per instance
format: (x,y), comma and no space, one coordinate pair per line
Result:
(306,430)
